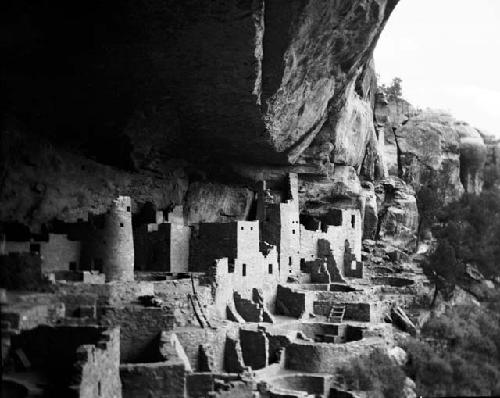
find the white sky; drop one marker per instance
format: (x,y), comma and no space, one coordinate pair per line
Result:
(448,54)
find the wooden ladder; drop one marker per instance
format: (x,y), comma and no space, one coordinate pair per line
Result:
(336,314)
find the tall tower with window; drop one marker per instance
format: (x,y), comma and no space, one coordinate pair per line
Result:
(118,244)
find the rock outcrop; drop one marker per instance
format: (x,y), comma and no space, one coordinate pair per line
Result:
(492,163)
(397,213)
(430,148)
(41,183)
(429,153)
(348,137)
(253,80)
(166,92)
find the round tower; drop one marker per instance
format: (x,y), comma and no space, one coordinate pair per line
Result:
(118,251)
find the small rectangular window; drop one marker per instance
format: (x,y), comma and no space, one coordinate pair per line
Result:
(242,228)
(72,265)
(290,260)
(35,248)
(293,231)
(270,268)
(128,209)
(121,224)
(353,221)
(244,270)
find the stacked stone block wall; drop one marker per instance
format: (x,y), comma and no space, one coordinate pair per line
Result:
(261,272)
(141,328)
(255,348)
(350,230)
(293,303)
(154,380)
(98,367)
(325,357)
(57,254)
(211,242)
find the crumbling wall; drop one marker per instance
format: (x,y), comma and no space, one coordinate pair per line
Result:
(278,213)
(153,380)
(293,303)
(175,296)
(98,367)
(210,341)
(220,385)
(349,229)
(261,272)
(360,312)
(325,357)
(255,348)
(165,378)
(140,330)
(73,357)
(352,267)
(113,294)
(313,385)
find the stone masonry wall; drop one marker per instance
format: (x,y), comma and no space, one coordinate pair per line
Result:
(293,303)
(153,380)
(350,229)
(179,248)
(212,241)
(140,330)
(98,367)
(57,253)
(260,272)
(325,357)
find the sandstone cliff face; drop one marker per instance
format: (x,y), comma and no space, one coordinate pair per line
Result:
(397,212)
(41,183)
(247,79)
(472,159)
(492,162)
(429,154)
(348,136)
(431,148)
(265,83)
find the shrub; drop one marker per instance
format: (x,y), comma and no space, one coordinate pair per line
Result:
(376,373)
(459,354)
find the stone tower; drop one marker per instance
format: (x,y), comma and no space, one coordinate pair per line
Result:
(118,251)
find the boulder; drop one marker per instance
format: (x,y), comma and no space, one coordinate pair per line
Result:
(472,158)
(401,320)
(397,212)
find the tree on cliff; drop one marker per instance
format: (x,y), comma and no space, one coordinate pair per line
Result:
(442,268)
(394,92)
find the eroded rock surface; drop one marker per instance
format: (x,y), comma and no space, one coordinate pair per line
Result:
(397,212)
(251,80)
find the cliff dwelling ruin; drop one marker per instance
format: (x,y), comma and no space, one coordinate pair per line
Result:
(211,199)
